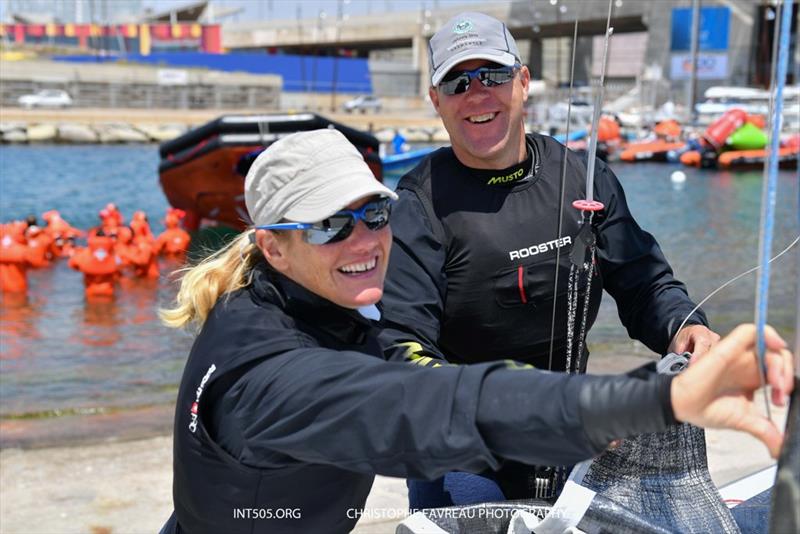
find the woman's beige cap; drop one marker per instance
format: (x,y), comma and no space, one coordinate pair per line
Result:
(307,177)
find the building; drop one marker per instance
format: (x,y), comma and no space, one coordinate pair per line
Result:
(127,30)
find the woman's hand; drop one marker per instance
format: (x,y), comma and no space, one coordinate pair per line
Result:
(717,391)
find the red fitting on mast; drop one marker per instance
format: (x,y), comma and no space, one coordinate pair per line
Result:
(588,205)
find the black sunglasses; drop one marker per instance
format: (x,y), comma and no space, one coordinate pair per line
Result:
(457,82)
(340,225)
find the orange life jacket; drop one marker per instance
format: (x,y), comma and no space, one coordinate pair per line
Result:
(99,265)
(669,129)
(608,129)
(62,234)
(141,257)
(39,247)
(174,241)
(14,263)
(141,228)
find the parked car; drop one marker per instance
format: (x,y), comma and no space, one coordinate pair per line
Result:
(46,98)
(363,104)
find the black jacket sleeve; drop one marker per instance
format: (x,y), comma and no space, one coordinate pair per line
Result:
(415,286)
(360,413)
(651,302)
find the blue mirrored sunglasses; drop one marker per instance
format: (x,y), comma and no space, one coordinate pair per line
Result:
(457,82)
(341,224)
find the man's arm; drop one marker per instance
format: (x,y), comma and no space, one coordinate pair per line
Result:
(652,303)
(415,286)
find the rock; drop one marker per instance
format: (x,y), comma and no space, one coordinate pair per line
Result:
(440,136)
(120,133)
(160,132)
(415,135)
(15,136)
(42,133)
(76,133)
(385,135)
(11,126)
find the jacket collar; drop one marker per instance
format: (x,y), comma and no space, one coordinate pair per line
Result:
(343,324)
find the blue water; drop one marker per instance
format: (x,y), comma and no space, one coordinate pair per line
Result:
(79,181)
(58,352)
(708,228)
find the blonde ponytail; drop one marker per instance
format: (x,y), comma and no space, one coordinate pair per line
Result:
(202,285)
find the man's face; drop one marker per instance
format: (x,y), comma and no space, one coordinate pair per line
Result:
(349,273)
(485,123)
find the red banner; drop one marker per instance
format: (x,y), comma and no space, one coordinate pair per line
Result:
(211,41)
(35,30)
(210,36)
(160,31)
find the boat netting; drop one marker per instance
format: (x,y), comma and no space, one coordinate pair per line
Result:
(654,483)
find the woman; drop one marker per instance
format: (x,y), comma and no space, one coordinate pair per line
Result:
(286,409)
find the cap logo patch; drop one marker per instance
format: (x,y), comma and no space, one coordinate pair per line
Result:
(463,26)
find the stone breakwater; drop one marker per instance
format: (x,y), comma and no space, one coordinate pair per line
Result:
(91,126)
(75,133)
(114,133)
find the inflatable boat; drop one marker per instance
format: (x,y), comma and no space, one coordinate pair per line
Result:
(787,158)
(202,172)
(650,151)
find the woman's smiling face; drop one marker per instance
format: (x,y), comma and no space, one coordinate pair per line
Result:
(349,273)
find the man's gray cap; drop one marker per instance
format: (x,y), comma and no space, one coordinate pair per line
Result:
(468,36)
(307,177)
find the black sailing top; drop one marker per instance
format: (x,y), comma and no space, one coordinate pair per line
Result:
(286,410)
(472,271)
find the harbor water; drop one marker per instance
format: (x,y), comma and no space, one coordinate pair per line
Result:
(72,371)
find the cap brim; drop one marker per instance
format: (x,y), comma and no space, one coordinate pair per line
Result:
(497,56)
(328,199)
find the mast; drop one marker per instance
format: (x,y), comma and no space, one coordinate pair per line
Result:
(691,97)
(770,186)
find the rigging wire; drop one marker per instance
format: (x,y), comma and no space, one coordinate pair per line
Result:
(729,282)
(561,473)
(598,104)
(586,206)
(585,239)
(561,194)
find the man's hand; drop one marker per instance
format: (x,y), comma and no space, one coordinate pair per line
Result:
(717,391)
(694,338)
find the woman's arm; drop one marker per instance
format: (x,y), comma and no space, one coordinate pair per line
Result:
(360,413)
(717,391)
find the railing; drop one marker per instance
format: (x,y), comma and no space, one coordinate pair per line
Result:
(134,95)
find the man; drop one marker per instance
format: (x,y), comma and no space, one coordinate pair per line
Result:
(476,237)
